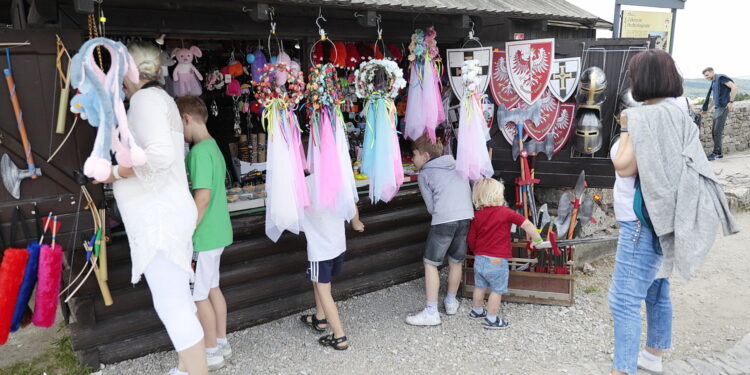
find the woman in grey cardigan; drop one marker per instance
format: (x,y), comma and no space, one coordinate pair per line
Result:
(669,206)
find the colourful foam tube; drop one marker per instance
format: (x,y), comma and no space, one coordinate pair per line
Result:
(27,286)
(11,277)
(48,286)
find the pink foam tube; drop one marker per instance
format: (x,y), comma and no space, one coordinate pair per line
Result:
(48,286)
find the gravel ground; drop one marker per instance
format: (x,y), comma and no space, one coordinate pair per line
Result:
(710,316)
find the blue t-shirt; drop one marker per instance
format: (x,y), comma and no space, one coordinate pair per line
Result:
(720,91)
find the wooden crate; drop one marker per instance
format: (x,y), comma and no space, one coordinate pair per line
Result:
(528,287)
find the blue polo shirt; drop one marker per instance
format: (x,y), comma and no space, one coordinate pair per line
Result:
(720,91)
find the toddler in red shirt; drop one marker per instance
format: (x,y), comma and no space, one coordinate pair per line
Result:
(489,239)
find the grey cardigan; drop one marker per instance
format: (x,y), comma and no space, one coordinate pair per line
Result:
(683,197)
(446,195)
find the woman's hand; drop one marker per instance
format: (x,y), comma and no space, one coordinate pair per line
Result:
(124,172)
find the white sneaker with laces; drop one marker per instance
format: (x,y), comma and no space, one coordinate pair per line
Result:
(226,350)
(175,371)
(424,318)
(452,308)
(215,360)
(653,366)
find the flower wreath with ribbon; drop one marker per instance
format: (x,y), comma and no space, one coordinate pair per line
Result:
(381,154)
(472,159)
(279,82)
(332,188)
(365,79)
(323,87)
(424,107)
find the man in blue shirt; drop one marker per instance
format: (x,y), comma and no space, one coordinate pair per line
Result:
(723,90)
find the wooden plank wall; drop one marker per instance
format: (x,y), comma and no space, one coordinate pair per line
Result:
(261,280)
(38,91)
(564,168)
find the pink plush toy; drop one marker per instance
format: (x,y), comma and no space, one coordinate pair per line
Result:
(186,76)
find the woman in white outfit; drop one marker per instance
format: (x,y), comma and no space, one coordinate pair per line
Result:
(158,211)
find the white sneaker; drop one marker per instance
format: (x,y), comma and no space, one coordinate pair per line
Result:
(175,371)
(653,366)
(215,360)
(452,308)
(424,318)
(226,350)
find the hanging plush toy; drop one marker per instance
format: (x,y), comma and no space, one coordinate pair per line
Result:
(378,82)
(286,191)
(424,110)
(472,159)
(99,101)
(259,61)
(352,56)
(186,77)
(333,187)
(395,52)
(166,62)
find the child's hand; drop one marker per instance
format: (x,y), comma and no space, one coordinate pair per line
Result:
(358,225)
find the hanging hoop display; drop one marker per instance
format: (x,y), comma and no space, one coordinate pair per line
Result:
(366,77)
(323,87)
(379,82)
(270,87)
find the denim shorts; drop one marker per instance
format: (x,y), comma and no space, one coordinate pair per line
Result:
(447,238)
(492,273)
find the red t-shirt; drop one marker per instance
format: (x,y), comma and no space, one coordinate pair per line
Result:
(489,233)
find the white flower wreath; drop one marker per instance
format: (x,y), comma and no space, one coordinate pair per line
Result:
(365,78)
(470,72)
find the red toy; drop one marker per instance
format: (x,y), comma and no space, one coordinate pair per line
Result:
(11,276)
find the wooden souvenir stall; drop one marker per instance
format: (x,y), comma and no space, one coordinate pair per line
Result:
(263,280)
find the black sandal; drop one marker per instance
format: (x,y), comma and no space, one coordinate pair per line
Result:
(314,322)
(329,340)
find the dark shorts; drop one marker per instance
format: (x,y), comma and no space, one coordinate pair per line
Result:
(447,238)
(321,272)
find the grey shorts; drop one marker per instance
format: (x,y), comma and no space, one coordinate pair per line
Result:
(447,238)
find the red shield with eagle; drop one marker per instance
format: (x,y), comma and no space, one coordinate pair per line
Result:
(502,90)
(549,107)
(563,125)
(530,66)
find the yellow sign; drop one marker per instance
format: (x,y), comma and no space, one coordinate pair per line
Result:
(637,24)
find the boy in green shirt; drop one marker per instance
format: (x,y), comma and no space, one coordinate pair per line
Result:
(206,169)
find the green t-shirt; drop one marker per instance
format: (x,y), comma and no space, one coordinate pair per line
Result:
(206,170)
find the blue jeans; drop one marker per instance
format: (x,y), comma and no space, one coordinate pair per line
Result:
(492,273)
(637,261)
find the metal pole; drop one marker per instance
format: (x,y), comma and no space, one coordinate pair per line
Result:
(671,33)
(616,21)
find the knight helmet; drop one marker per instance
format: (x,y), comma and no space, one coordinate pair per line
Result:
(591,88)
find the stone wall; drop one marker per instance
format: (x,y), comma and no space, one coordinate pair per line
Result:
(736,130)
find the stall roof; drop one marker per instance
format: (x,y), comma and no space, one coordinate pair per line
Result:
(550,9)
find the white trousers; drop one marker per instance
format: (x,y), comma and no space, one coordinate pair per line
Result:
(173,302)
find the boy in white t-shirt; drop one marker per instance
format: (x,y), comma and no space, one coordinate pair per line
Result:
(326,246)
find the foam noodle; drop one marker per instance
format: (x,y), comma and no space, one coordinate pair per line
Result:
(50,273)
(27,286)
(11,276)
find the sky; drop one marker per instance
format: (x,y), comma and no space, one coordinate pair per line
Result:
(707,34)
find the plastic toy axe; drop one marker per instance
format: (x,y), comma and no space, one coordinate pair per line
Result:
(11,174)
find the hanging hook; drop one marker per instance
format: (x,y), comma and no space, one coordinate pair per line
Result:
(471,32)
(380,30)
(270,13)
(321,31)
